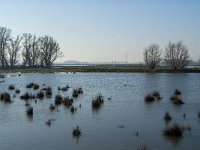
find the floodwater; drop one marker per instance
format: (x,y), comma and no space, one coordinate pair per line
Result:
(114,126)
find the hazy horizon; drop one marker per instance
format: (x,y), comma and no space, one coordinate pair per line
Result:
(105,31)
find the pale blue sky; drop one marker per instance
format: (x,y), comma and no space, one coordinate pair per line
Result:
(105,30)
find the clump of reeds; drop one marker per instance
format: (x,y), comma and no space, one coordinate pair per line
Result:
(11,87)
(68,101)
(40,94)
(65,88)
(175,130)
(48,91)
(5,97)
(76,132)
(17,91)
(77,92)
(97,101)
(149,98)
(177,92)
(152,97)
(52,107)
(176,100)
(73,109)
(156,94)
(27,96)
(49,122)
(58,99)
(33,85)
(29,111)
(167,117)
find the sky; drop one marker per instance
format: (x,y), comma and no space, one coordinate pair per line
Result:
(106,30)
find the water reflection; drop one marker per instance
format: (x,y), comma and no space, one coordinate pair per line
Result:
(174,140)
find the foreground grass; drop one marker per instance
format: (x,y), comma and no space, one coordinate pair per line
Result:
(99,68)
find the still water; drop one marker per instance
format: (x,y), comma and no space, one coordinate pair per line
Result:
(114,125)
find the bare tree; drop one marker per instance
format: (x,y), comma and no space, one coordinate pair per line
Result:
(27,43)
(152,56)
(177,55)
(50,50)
(13,50)
(4,39)
(31,52)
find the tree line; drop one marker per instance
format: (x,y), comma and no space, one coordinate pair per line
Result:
(27,50)
(176,55)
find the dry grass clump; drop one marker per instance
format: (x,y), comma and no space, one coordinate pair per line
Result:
(5,97)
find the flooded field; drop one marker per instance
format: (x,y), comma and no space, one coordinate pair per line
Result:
(123,121)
